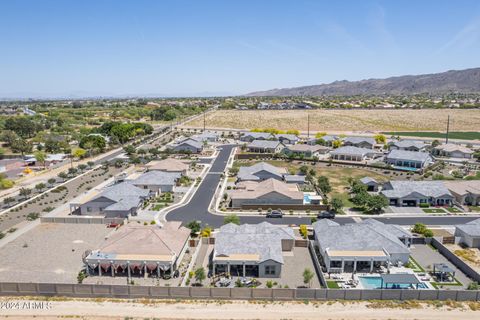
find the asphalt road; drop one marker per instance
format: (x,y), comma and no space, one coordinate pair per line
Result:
(197,208)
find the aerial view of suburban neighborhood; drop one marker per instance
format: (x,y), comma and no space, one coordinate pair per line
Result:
(148,170)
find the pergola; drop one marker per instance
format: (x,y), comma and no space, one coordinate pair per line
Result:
(441,271)
(398,278)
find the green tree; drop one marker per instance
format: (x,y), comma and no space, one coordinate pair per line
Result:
(63,175)
(380,138)
(231,218)
(194,227)
(324,184)
(41,157)
(320,135)
(376,203)
(78,153)
(337,204)
(336,144)
(25,192)
(23,146)
(51,181)
(435,143)
(308,276)
(40,186)
(129,149)
(200,275)
(303,169)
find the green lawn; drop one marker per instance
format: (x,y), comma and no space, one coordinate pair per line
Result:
(475,208)
(438,285)
(414,265)
(453,210)
(332,284)
(433,210)
(464,135)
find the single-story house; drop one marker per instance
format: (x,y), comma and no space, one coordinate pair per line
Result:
(408,159)
(465,192)
(371,184)
(408,145)
(469,233)
(265,146)
(168,165)
(143,250)
(269,192)
(360,142)
(157,181)
(308,151)
(414,193)
(286,138)
(187,146)
(327,140)
(205,136)
(294,178)
(452,150)
(250,136)
(120,200)
(260,171)
(254,250)
(361,246)
(350,153)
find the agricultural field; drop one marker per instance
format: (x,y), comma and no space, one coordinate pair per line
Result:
(344,120)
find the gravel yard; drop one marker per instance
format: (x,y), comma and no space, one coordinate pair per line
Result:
(49,252)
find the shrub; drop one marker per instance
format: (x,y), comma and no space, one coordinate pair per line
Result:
(269,284)
(424,205)
(304,231)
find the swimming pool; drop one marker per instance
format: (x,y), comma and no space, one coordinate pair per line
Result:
(306,198)
(376,283)
(406,168)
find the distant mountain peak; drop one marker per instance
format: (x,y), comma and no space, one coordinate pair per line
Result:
(451,81)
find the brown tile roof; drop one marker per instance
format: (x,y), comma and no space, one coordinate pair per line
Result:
(169,164)
(266,187)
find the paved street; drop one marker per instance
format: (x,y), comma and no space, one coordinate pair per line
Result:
(197,208)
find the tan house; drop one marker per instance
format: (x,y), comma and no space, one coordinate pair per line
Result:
(168,165)
(141,250)
(269,192)
(465,192)
(452,150)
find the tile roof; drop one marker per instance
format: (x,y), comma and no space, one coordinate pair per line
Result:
(409,144)
(266,187)
(270,144)
(356,237)
(409,155)
(263,239)
(463,187)
(305,148)
(471,228)
(355,140)
(169,164)
(401,189)
(248,173)
(452,147)
(259,135)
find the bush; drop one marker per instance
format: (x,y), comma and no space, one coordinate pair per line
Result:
(428,233)
(303,231)
(269,284)
(424,205)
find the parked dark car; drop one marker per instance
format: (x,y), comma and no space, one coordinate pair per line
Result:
(275,214)
(326,215)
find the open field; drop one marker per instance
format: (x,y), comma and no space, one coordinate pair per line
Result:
(462,135)
(344,120)
(60,308)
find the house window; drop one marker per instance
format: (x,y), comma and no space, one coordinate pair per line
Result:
(89,209)
(269,270)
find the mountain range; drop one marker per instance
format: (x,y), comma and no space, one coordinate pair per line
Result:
(453,81)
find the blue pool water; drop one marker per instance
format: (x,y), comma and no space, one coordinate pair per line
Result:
(306,198)
(406,168)
(376,283)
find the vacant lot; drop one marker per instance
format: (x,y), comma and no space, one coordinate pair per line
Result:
(344,120)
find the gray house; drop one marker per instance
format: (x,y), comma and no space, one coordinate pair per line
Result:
(408,145)
(187,146)
(250,136)
(327,140)
(305,150)
(452,150)
(469,233)
(409,159)
(361,247)
(414,193)
(120,200)
(205,136)
(286,138)
(360,142)
(260,171)
(350,153)
(254,250)
(371,184)
(157,181)
(265,146)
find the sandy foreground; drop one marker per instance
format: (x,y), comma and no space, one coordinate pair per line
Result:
(23,308)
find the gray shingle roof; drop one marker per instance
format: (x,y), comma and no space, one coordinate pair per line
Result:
(248,173)
(350,150)
(355,140)
(125,195)
(259,135)
(471,228)
(270,144)
(401,189)
(409,155)
(357,236)
(288,136)
(157,178)
(367,180)
(190,142)
(294,178)
(409,143)
(264,239)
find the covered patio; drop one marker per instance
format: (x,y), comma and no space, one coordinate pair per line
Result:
(396,280)
(240,265)
(341,261)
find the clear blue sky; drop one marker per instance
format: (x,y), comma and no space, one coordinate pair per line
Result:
(57,48)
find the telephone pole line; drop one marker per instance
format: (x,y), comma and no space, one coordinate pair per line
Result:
(448,129)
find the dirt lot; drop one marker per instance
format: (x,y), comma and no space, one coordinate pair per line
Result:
(142,309)
(470,256)
(343,120)
(51,252)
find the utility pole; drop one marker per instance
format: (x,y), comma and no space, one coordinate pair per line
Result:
(448,128)
(204,121)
